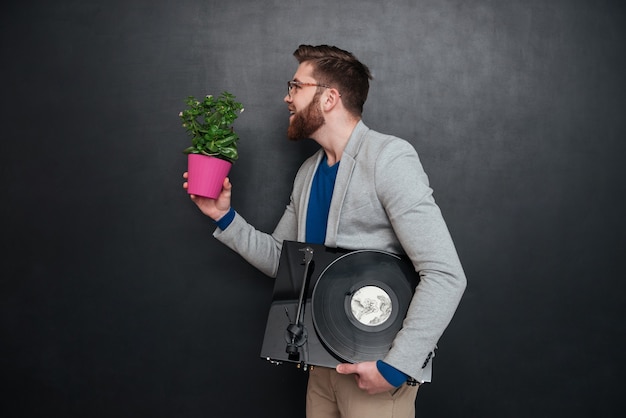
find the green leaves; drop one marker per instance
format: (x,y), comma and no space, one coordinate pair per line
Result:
(208,122)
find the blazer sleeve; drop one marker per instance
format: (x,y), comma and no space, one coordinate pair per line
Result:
(263,250)
(258,248)
(402,187)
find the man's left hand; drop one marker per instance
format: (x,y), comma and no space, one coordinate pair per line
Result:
(367,376)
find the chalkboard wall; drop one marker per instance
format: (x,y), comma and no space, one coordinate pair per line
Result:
(116,300)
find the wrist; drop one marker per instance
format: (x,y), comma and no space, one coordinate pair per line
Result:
(220,214)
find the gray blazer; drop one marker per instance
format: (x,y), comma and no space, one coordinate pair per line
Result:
(381,201)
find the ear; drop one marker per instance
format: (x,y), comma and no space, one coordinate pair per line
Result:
(331,99)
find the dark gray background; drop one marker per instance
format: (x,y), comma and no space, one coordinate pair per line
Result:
(116,300)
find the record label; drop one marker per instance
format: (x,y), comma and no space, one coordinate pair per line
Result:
(371,305)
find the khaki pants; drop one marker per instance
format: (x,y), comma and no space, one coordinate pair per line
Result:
(333,395)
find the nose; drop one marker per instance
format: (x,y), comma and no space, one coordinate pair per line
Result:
(287,98)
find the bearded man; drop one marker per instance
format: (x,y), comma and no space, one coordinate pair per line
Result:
(360,190)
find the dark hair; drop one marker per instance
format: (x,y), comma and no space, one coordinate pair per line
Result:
(341,70)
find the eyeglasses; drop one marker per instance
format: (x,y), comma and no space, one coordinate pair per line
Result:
(293,84)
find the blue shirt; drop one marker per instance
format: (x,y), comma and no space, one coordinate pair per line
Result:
(319,202)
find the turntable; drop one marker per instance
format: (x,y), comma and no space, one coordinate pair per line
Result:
(334,306)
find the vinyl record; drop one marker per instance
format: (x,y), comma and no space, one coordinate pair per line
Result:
(359,303)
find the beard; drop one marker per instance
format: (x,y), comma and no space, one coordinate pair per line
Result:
(307,121)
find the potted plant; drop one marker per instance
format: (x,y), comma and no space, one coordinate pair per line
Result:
(214,141)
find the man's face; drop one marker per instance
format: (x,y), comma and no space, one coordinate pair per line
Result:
(304,106)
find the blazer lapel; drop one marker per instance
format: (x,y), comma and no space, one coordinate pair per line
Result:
(344,174)
(304,201)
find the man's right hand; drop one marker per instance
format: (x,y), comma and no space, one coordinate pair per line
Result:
(213,208)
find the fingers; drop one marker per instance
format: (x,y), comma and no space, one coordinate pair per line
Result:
(367,376)
(347,368)
(185,184)
(225,193)
(227,185)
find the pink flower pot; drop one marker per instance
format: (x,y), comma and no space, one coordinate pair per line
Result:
(206,175)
